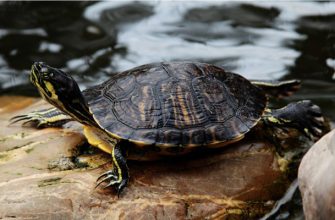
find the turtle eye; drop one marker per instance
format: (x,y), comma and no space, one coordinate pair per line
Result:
(48,75)
(45,76)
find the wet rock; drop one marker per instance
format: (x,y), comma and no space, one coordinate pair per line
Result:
(242,181)
(316,179)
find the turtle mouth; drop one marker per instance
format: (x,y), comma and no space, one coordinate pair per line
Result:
(39,77)
(37,70)
(33,74)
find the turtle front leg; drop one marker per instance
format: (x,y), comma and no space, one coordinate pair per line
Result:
(51,117)
(304,116)
(119,175)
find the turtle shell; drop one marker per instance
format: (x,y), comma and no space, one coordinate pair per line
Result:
(176,104)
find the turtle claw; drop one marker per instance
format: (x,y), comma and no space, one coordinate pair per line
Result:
(42,118)
(28,118)
(19,118)
(109,175)
(112,179)
(111,183)
(34,117)
(314,123)
(303,115)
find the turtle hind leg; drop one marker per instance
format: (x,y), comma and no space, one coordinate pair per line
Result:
(304,116)
(51,117)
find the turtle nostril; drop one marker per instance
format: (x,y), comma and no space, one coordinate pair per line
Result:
(43,69)
(39,66)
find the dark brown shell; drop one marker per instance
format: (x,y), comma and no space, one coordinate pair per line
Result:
(176,104)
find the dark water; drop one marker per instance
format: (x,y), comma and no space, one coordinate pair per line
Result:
(93,40)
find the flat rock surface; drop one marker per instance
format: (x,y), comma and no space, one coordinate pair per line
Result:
(317,180)
(41,178)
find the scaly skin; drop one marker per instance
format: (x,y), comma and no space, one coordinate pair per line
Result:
(303,115)
(51,117)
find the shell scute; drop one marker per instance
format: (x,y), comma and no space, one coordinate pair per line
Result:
(194,137)
(140,109)
(145,137)
(187,71)
(181,107)
(151,75)
(169,137)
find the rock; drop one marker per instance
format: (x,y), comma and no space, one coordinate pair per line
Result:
(316,179)
(51,174)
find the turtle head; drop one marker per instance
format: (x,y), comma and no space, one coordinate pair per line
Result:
(53,83)
(60,90)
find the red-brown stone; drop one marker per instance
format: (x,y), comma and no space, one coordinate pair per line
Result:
(238,181)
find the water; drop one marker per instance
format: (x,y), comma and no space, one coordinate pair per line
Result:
(93,40)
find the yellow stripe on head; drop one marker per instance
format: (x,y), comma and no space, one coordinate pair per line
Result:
(51,89)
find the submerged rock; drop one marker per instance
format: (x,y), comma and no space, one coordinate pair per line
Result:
(316,179)
(51,174)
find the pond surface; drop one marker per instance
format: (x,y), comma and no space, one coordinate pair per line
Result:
(94,40)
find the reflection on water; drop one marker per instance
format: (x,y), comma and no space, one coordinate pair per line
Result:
(93,40)
(51,31)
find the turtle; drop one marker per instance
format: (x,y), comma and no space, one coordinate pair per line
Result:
(168,108)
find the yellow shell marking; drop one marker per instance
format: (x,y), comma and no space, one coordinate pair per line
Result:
(185,115)
(224,143)
(142,104)
(142,110)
